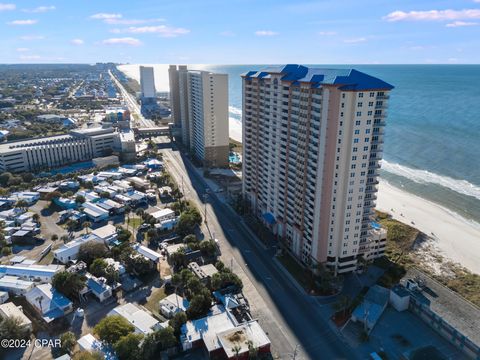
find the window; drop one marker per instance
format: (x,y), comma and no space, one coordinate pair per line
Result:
(359,113)
(369,122)
(359,104)
(343,95)
(357,132)
(360,95)
(343,105)
(367,131)
(355,141)
(369,113)
(370,103)
(372,94)
(355,149)
(357,122)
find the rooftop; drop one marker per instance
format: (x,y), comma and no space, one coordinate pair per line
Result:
(456,311)
(240,336)
(11,310)
(346,79)
(144,323)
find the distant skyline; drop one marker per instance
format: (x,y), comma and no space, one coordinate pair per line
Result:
(241,31)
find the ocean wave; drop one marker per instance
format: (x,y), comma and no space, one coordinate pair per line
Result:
(234,111)
(425,177)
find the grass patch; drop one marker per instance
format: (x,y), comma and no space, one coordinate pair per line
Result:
(47,259)
(134,222)
(235,146)
(399,257)
(153,299)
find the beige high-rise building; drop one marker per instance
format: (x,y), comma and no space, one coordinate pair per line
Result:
(312,142)
(199,102)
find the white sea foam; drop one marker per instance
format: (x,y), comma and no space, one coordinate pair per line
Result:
(425,177)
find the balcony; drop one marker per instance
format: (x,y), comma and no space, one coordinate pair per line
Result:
(383,97)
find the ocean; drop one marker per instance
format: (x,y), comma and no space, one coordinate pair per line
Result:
(432,141)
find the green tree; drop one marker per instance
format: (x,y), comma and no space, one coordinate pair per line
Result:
(53,195)
(21,204)
(92,250)
(54,237)
(68,341)
(111,328)
(200,304)
(165,338)
(128,347)
(177,321)
(189,239)
(98,266)
(188,221)
(11,328)
(80,199)
(7,251)
(69,284)
(86,225)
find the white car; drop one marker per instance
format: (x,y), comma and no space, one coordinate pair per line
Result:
(79,313)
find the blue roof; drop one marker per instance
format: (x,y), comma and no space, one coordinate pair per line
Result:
(346,79)
(375,225)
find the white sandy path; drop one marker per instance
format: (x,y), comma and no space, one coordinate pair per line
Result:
(457,238)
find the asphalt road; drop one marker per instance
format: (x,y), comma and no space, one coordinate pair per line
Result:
(289,317)
(133,105)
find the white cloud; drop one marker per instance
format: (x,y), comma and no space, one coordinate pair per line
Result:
(122,41)
(77,42)
(23,22)
(32,37)
(327,33)
(7,7)
(120,21)
(461,23)
(265,33)
(40,9)
(23,49)
(29,57)
(355,40)
(105,16)
(162,30)
(433,15)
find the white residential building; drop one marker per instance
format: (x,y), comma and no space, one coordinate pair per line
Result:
(50,303)
(15,285)
(10,310)
(69,251)
(200,105)
(173,304)
(42,273)
(147,82)
(164,214)
(143,322)
(312,142)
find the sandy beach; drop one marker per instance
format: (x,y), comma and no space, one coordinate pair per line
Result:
(456,238)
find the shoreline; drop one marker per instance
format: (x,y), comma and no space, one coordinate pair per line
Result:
(454,237)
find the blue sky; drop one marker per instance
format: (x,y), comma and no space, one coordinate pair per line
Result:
(240,31)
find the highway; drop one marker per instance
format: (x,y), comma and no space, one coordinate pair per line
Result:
(133,106)
(291,319)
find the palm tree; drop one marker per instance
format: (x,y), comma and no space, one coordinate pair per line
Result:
(86,225)
(36,217)
(39,299)
(64,238)
(54,237)
(21,204)
(236,349)
(128,209)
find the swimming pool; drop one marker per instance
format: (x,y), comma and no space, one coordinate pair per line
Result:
(234,158)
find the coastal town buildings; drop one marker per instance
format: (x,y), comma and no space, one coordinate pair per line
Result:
(199,100)
(312,142)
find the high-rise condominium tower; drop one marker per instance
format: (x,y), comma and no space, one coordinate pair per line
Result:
(312,142)
(199,102)
(147,82)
